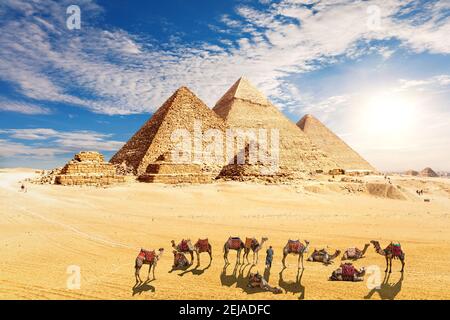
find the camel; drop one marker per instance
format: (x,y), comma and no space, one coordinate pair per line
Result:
(355,253)
(203,245)
(295,247)
(179,260)
(323,256)
(347,272)
(233,244)
(255,280)
(185,246)
(255,246)
(392,251)
(147,257)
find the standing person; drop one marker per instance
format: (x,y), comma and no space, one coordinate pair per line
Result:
(269,257)
(23,188)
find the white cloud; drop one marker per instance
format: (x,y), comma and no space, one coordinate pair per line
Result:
(22,107)
(56,142)
(120,73)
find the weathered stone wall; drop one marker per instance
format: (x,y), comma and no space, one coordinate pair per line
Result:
(88,168)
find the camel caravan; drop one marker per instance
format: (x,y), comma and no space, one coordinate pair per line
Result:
(345,272)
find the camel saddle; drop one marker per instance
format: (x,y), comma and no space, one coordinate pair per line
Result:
(234,243)
(396,249)
(147,255)
(183,246)
(295,246)
(249,242)
(348,271)
(180,258)
(351,252)
(202,245)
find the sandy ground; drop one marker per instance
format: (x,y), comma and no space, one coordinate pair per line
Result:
(49,228)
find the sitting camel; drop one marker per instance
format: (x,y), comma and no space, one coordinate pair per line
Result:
(255,280)
(147,257)
(355,253)
(323,256)
(179,260)
(392,251)
(185,246)
(233,244)
(255,246)
(203,245)
(347,272)
(295,247)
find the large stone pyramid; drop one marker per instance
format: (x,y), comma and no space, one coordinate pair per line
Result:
(243,107)
(153,140)
(325,139)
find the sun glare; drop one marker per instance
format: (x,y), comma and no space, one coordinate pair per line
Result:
(389,113)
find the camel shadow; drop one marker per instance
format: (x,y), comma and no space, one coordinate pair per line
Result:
(196,271)
(228,280)
(141,287)
(387,291)
(293,287)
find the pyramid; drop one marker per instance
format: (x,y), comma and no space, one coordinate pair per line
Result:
(324,138)
(153,140)
(244,107)
(428,172)
(412,173)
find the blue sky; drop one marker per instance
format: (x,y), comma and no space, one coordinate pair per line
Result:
(376,72)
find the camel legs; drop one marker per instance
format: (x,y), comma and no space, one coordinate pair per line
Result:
(403,264)
(300,258)
(136,274)
(238,255)
(225,254)
(387,264)
(192,256)
(284,260)
(149,269)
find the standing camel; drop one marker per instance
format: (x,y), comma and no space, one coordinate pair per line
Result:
(185,246)
(295,247)
(233,244)
(255,246)
(203,245)
(355,253)
(392,251)
(147,257)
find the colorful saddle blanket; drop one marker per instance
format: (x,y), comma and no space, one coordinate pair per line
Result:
(179,259)
(202,245)
(348,271)
(396,249)
(147,255)
(351,252)
(295,246)
(234,243)
(249,242)
(183,246)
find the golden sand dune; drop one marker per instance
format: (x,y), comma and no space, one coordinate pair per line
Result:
(49,228)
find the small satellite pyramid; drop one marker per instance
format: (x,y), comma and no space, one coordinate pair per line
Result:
(244,107)
(153,140)
(428,172)
(325,139)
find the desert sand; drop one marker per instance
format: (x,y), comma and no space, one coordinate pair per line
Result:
(101,230)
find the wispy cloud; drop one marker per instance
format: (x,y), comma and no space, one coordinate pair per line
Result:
(22,107)
(41,142)
(120,73)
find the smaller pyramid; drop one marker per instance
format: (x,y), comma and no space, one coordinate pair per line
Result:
(338,150)
(411,173)
(428,172)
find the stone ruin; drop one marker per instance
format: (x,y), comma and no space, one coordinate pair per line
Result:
(88,168)
(163,170)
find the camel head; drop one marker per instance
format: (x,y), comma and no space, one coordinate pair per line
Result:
(173,243)
(161,251)
(366,245)
(362,272)
(174,252)
(264,239)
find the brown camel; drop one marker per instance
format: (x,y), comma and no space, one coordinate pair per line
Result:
(347,272)
(295,247)
(323,256)
(203,245)
(256,280)
(233,244)
(185,246)
(255,246)
(147,257)
(392,251)
(355,253)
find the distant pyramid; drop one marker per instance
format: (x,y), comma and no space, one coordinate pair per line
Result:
(428,172)
(153,139)
(243,106)
(411,173)
(324,138)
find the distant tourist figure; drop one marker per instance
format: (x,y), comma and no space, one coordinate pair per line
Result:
(269,257)
(23,188)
